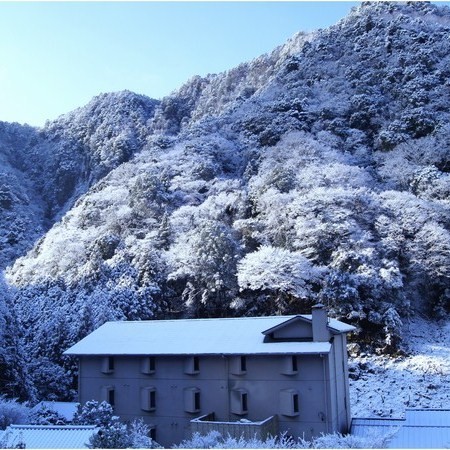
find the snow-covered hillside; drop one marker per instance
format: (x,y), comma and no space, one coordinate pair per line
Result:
(385,386)
(318,172)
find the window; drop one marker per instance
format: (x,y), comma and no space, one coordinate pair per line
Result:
(108,395)
(289,365)
(289,402)
(238,365)
(152,432)
(192,365)
(148,365)
(192,400)
(148,399)
(239,401)
(108,364)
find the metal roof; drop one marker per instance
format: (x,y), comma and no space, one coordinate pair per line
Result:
(421,428)
(48,436)
(234,336)
(335,326)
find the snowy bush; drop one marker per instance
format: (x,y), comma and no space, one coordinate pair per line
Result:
(12,412)
(215,440)
(113,433)
(46,416)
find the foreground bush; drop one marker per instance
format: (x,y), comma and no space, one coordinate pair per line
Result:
(12,412)
(215,440)
(113,433)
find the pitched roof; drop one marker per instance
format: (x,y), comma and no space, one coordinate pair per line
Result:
(48,436)
(64,409)
(421,428)
(194,336)
(335,326)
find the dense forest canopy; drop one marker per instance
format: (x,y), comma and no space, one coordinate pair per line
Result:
(319,172)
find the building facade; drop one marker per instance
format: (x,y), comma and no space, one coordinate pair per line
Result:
(171,372)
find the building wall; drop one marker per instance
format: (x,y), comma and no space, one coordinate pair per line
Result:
(266,382)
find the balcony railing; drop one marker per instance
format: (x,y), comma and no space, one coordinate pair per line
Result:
(243,428)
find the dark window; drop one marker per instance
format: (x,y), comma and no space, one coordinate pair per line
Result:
(295,403)
(153,399)
(153,433)
(196,364)
(110,363)
(243,364)
(244,402)
(294,364)
(151,363)
(197,401)
(111,397)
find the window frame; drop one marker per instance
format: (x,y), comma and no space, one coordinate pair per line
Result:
(148,365)
(192,365)
(289,365)
(239,402)
(148,398)
(289,402)
(192,400)
(109,395)
(108,364)
(238,365)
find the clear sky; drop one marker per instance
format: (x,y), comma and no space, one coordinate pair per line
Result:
(55,56)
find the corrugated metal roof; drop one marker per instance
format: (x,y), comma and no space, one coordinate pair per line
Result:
(195,336)
(47,436)
(421,428)
(428,417)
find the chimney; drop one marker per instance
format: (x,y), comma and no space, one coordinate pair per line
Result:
(319,324)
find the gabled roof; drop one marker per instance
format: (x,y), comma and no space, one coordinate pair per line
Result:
(335,326)
(238,336)
(48,436)
(421,428)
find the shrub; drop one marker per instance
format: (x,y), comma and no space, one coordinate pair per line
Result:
(215,440)
(12,412)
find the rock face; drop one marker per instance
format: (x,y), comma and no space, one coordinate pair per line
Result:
(317,173)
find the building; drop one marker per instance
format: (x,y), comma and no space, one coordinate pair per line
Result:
(240,370)
(421,428)
(46,436)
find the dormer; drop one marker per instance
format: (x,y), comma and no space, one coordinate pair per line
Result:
(314,328)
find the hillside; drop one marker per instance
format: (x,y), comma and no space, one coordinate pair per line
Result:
(319,172)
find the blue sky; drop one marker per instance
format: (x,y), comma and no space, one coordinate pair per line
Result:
(55,56)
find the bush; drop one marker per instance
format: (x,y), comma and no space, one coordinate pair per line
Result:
(113,433)
(12,412)
(46,416)
(215,440)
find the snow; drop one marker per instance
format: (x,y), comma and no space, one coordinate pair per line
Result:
(387,386)
(192,336)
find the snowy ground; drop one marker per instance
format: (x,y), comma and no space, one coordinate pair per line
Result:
(386,386)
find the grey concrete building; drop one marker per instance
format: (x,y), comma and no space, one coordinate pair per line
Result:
(237,372)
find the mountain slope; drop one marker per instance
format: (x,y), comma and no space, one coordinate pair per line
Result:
(319,172)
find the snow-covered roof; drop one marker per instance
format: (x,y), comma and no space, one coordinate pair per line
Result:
(64,409)
(48,436)
(335,326)
(421,428)
(195,336)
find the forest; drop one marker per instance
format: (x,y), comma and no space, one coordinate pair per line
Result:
(317,173)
